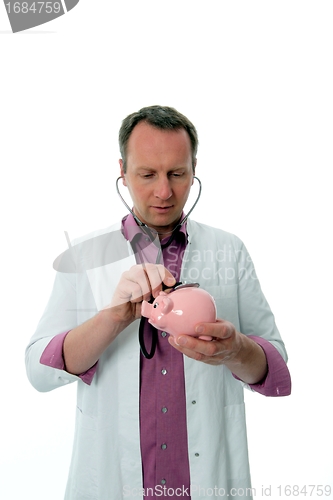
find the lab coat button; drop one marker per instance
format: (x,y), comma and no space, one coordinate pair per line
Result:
(196,454)
(194,402)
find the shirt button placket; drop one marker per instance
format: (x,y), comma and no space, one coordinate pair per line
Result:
(164,408)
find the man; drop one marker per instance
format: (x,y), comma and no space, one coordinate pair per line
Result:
(173,425)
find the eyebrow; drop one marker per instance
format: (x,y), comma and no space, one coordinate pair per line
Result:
(151,169)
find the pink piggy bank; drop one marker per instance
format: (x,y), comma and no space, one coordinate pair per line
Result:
(179,311)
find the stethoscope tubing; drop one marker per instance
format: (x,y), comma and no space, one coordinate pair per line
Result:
(145,353)
(142,224)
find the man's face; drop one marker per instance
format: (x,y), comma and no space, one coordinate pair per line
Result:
(159,174)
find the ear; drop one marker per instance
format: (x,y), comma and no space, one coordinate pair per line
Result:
(167,305)
(122,174)
(193,170)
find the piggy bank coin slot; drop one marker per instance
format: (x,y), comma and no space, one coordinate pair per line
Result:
(186,285)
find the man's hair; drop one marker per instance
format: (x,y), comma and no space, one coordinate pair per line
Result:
(160,117)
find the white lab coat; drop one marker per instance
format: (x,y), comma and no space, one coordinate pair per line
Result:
(106,461)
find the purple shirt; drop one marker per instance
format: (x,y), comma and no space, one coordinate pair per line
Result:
(163,429)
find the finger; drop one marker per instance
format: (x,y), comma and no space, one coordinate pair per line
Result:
(139,276)
(146,280)
(134,285)
(188,344)
(142,281)
(167,278)
(221,329)
(128,291)
(157,274)
(191,353)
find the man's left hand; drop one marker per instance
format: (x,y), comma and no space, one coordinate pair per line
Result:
(225,345)
(244,357)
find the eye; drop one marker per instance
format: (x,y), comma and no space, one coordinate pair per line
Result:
(177,174)
(146,174)
(155,305)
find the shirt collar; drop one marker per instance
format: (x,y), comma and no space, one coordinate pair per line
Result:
(130,228)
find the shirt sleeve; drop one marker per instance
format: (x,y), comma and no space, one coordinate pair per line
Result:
(277,381)
(53,356)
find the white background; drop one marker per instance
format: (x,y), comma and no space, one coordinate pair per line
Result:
(256,79)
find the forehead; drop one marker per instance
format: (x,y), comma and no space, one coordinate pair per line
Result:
(148,140)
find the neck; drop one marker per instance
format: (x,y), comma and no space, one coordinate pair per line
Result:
(159,231)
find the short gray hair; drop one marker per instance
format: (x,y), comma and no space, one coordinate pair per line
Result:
(161,117)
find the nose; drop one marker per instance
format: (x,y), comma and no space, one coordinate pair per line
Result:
(163,189)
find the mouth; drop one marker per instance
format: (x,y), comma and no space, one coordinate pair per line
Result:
(162,210)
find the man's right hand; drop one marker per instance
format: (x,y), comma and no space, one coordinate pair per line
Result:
(84,344)
(139,283)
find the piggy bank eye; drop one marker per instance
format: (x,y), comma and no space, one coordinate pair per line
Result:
(155,305)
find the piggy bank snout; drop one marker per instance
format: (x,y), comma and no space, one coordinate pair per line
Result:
(146,309)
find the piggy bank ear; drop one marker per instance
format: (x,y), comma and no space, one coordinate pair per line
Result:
(166,305)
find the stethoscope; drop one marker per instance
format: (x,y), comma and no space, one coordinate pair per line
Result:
(147,228)
(149,233)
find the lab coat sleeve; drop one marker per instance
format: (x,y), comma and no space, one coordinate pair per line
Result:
(59,316)
(255,315)
(257,321)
